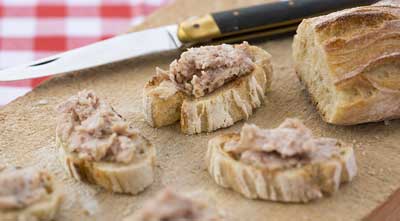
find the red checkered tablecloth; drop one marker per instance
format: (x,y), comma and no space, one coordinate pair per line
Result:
(33,29)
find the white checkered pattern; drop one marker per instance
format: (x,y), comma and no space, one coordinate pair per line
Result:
(33,29)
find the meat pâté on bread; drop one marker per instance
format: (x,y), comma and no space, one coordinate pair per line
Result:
(209,87)
(286,164)
(349,61)
(171,205)
(98,146)
(28,194)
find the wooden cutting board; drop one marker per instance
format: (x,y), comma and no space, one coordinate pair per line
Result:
(28,128)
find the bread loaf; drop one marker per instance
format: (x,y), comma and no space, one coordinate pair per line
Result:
(349,61)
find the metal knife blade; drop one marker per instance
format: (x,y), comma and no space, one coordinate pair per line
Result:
(115,49)
(229,26)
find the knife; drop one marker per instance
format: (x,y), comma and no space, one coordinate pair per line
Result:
(228,26)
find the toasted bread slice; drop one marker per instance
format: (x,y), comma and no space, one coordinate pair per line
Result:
(169,204)
(41,211)
(131,178)
(298,184)
(164,104)
(45,209)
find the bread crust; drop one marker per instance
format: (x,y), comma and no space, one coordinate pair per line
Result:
(349,60)
(162,102)
(301,184)
(236,100)
(130,178)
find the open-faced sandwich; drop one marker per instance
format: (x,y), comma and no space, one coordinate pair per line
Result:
(98,146)
(285,164)
(170,205)
(209,87)
(27,194)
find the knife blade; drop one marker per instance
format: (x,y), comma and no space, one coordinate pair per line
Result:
(112,50)
(228,26)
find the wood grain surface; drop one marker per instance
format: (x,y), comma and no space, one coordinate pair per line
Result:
(28,129)
(387,211)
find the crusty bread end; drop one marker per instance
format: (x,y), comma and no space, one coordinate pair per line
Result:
(349,62)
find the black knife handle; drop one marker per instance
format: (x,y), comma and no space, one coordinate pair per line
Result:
(260,20)
(278,13)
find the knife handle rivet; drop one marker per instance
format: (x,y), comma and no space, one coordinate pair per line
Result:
(236,13)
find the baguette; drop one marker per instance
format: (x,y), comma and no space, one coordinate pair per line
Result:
(97,146)
(349,63)
(299,183)
(165,104)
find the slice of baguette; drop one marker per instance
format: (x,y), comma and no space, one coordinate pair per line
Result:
(300,184)
(227,105)
(236,100)
(130,178)
(171,205)
(46,209)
